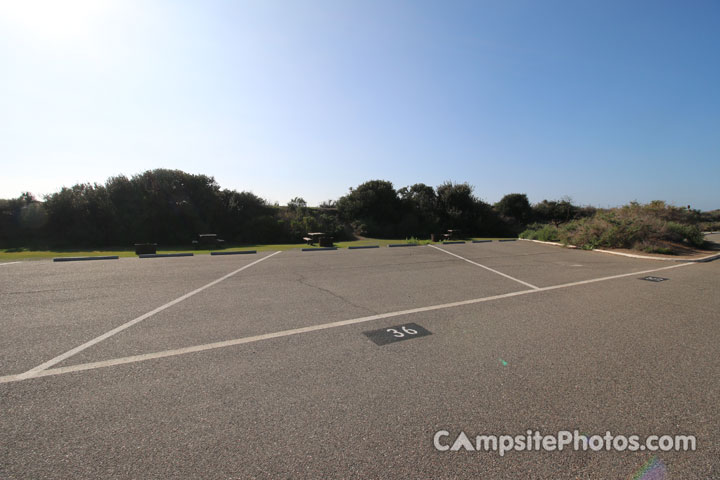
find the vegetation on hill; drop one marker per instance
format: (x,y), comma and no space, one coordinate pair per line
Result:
(654,227)
(171,207)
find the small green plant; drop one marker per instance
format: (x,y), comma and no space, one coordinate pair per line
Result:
(662,250)
(417,241)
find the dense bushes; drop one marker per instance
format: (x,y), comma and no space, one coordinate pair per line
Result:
(166,206)
(373,207)
(171,207)
(22,220)
(710,221)
(654,227)
(545,233)
(376,209)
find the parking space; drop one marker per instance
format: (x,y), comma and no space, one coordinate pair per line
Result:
(298,390)
(49,308)
(544,265)
(300,289)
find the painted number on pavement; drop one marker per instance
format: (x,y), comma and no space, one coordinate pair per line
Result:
(398,333)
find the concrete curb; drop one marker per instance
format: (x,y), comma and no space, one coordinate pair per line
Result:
(164,255)
(79,259)
(482,241)
(319,249)
(358,247)
(403,245)
(244,252)
(709,258)
(557,244)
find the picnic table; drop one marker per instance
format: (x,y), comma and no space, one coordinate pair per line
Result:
(313,237)
(320,238)
(452,234)
(209,240)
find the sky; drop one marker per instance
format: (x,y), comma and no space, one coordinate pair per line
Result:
(605,102)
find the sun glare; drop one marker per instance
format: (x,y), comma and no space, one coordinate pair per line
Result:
(52,20)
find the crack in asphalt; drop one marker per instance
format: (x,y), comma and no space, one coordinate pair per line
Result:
(304,281)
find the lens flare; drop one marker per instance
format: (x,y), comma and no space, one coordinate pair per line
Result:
(654,469)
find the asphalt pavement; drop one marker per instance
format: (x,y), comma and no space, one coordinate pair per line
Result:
(259,366)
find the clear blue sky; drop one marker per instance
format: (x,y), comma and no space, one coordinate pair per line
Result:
(606,102)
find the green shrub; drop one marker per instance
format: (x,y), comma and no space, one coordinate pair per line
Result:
(417,241)
(545,233)
(687,233)
(652,228)
(663,250)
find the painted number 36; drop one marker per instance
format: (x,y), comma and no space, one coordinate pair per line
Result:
(405,330)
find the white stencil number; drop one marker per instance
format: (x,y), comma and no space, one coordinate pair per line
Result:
(401,334)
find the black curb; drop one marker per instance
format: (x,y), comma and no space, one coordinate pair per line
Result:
(318,249)
(164,255)
(481,241)
(244,252)
(452,243)
(78,259)
(403,245)
(363,246)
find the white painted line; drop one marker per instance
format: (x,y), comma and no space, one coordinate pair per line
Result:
(612,277)
(313,328)
(645,257)
(9,263)
(557,244)
(256,338)
(34,371)
(486,268)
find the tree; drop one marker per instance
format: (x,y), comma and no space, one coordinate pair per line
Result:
(80,215)
(457,206)
(515,206)
(374,204)
(245,216)
(174,206)
(297,203)
(555,211)
(21,220)
(419,205)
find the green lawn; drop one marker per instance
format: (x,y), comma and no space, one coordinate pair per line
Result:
(13,254)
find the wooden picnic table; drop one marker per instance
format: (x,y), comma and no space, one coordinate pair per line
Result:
(321,238)
(313,237)
(210,240)
(452,233)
